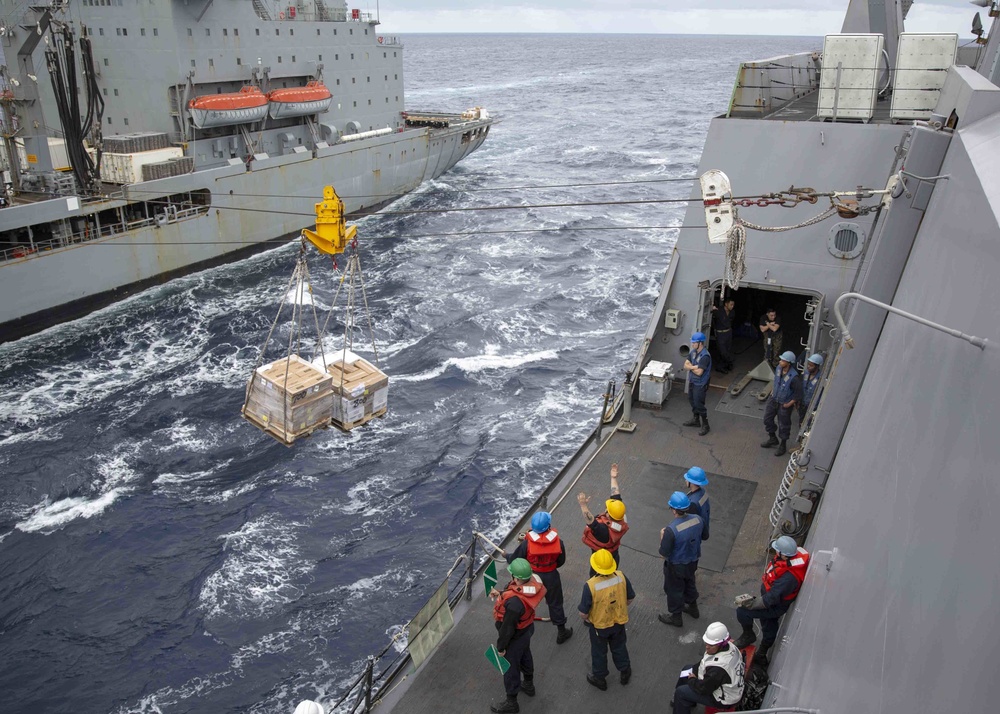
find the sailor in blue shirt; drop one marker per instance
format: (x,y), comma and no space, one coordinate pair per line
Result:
(787,393)
(698,364)
(700,505)
(680,546)
(810,380)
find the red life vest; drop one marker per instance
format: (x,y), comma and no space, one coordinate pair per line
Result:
(543,550)
(531,593)
(616,529)
(796,565)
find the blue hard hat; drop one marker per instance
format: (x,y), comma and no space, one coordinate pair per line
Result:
(816,359)
(698,337)
(541,521)
(680,501)
(788,357)
(785,545)
(696,475)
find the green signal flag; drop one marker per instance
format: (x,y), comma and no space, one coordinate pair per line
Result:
(497,660)
(490,576)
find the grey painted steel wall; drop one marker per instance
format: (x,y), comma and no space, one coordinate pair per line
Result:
(905,619)
(763,156)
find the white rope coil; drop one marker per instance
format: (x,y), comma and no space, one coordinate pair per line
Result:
(736,243)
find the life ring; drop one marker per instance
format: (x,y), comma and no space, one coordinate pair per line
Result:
(380,38)
(281,16)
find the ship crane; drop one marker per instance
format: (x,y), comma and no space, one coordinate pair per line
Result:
(292,397)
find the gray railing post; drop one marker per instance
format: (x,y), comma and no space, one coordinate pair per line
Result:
(471,571)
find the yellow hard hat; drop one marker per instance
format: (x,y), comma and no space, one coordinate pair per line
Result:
(603,562)
(616,509)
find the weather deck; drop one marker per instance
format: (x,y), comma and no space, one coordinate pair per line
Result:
(651,463)
(804,109)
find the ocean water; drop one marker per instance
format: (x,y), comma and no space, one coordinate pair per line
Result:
(158,554)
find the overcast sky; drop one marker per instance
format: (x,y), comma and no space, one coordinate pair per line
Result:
(710,17)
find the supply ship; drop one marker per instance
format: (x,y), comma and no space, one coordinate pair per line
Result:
(855,191)
(144,141)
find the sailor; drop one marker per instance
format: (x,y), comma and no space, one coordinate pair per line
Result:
(786,393)
(696,480)
(604,607)
(606,530)
(770,330)
(780,585)
(724,333)
(717,680)
(810,380)
(698,363)
(514,616)
(545,552)
(680,546)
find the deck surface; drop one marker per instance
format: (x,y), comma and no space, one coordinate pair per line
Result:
(457,678)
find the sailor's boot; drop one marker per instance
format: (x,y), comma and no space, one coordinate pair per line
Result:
(673,619)
(692,609)
(781,449)
(564,634)
(528,685)
(772,440)
(509,706)
(705,428)
(747,638)
(695,420)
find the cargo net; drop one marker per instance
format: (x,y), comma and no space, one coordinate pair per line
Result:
(292,397)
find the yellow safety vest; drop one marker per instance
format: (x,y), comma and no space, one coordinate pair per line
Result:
(610,598)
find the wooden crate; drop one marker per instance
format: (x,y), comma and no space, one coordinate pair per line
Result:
(289,399)
(361,390)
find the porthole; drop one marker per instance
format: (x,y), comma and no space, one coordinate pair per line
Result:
(846,240)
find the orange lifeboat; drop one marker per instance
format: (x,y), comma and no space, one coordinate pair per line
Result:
(242,107)
(314,98)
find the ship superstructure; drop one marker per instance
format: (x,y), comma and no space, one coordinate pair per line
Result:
(161,126)
(862,203)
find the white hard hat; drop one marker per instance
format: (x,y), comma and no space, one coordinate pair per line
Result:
(716,634)
(308,707)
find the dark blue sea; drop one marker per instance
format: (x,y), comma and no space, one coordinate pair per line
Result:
(158,554)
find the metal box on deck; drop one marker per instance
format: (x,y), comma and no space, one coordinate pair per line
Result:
(654,383)
(289,399)
(127,168)
(922,62)
(851,91)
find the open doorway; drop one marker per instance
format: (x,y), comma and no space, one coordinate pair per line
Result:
(794,314)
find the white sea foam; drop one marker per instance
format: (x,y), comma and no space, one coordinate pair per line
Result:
(50,517)
(262,571)
(480,363)
(116,477)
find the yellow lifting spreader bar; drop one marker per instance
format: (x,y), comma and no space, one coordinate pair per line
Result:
(332,233)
